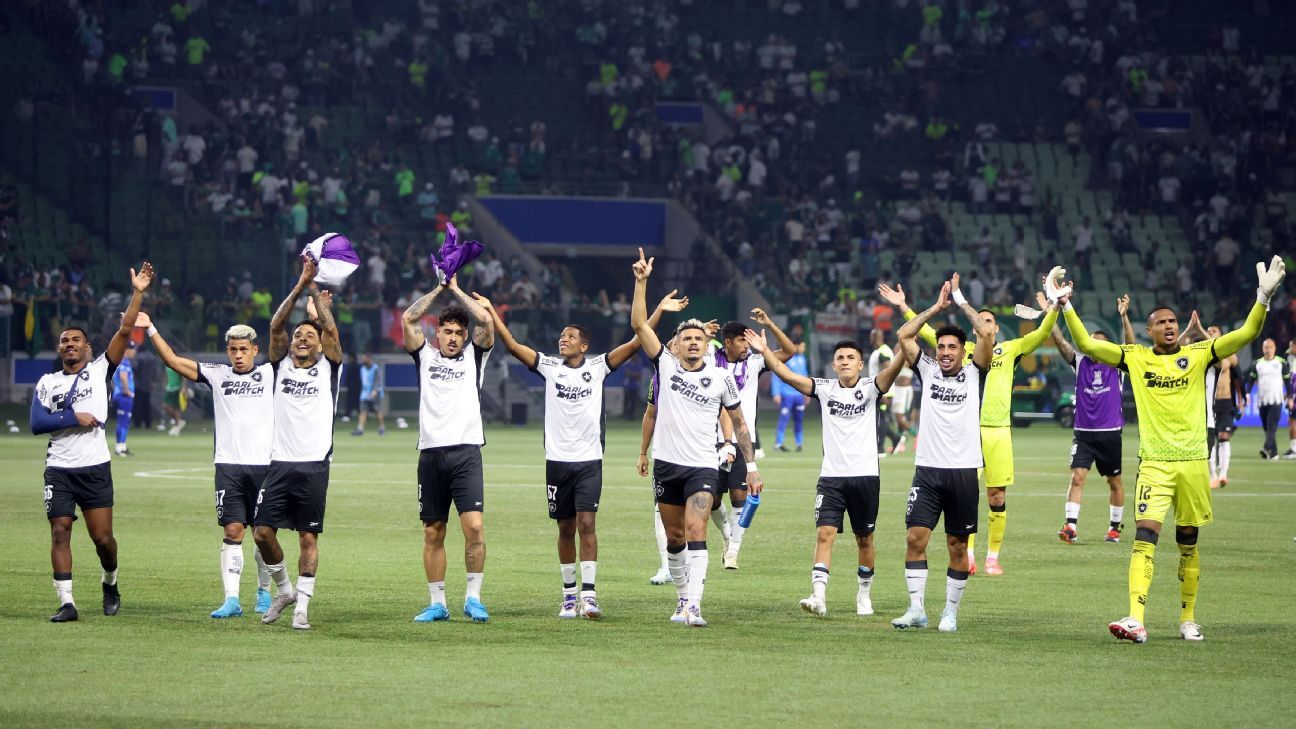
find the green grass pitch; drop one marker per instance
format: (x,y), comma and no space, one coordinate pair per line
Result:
(1032,646)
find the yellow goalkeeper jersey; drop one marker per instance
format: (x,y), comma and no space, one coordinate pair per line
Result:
(1170,392)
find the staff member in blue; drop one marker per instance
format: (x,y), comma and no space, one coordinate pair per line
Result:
(124,397)
(371,394)
(791,403)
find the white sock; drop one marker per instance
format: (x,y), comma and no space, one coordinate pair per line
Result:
(1116,513)
(305,591)
(231,562)
(698,560)
(865,577)
(916,581)
(735,531)
(1225,455)
(954,592)
(263,575)
(568,577)
(474,586)
(436,593)
(819,580)
(63,588)
(110,578)
(659,530)
(279,574)
(720,517)
(588,568)
(1072,510)
(1212,461)
(677,563)
(1292,447)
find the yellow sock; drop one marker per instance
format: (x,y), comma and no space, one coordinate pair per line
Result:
(1140,577)
(1189,574)
(998,524)
(971,541)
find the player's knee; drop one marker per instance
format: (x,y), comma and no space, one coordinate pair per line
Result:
(234,532)
(567,528)
(1078,478)
(916,541)
(864,541)
(827,534)
(585,523)
(1143,534)
(1186,536)
(103,539)
(61,531)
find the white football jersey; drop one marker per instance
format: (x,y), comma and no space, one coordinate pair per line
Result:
(304,399)
(244,412)
(849,427)
(746,373)
(73,447)
(449,396)
(1269,380)
(574,425)
(688,404)
(949,430)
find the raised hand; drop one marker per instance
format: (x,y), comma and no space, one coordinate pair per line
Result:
(759,316)
(140,281)
(893,296)
(142,320)
(954,282)
(670,303)
(757,342)
(485,302)
(309,269)
(643,267)
(1041,300)
(1270,278)
(1123,302)
(453,283)
(943,299)
(711,328)
(1053,288)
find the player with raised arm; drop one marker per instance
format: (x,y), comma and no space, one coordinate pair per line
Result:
(573,443)
(242,398)
(996,413)
(71,405)
(1169,382)
(692,392)
(295,490)
(1098,429)
(849,479)
(946,457)
(746,366)
(450,440)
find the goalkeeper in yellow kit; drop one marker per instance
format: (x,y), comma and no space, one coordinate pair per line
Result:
(996,411)
(1169,383)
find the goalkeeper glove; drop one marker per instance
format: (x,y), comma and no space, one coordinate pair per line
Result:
(1270,279)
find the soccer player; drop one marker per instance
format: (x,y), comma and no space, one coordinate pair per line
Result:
(450,440)
(746,366)
(1098,428)
(1169,382)
(877,360)
(946,456)
(791,403)
(848,476)
(71,405)
(371,394)
(573,442)
(901,399)
(1225,397)
(691,395)
(124,397)
(242,398)
(1269,373)
(996,413)
(175,399)
(295,490)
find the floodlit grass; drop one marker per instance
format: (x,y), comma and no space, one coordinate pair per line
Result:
(1032,646)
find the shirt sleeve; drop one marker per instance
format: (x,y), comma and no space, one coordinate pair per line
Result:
(729,398)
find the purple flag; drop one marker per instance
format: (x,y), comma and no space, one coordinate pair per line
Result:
(336,258)
(454,255)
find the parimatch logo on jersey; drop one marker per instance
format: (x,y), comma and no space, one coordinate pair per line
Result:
(441,372)
(243,388)
(293,388)
(945,394)
(567,392)
(688,389)
(1164,383)
(846,409)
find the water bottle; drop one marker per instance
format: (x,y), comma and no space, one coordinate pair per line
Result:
(749,511)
